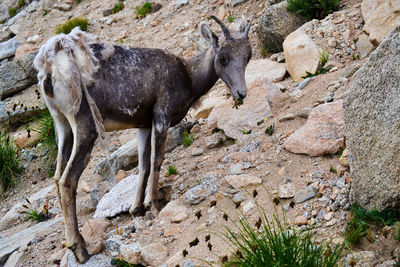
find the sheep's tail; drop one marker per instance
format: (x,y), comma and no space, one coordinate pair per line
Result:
(72,63)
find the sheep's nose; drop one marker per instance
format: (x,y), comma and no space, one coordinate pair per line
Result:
(242,96)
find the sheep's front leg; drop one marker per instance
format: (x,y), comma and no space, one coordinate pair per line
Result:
(144,149)
(158,138)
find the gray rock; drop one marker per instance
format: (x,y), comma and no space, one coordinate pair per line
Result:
(371,110)
(113,246)
(207,187)
(7,48)
(305,194)
(16,75)
(303,83)
(250,147)
(14,242)
(215,140)
(119,199)
(277,23)
(28,155)
(362,258)
(107,12)
(188,264)
(98,260)
(197,152)
(286,191)
(238,2)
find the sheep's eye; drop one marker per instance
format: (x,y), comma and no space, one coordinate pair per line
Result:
(223,60)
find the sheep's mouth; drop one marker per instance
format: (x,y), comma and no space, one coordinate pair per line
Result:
(238,102)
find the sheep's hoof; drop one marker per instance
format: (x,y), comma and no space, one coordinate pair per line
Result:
(81,253)
(137,210)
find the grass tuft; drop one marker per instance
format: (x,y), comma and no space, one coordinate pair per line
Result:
(270,130)
(361,221)
(9,163)
(187,139)
(143,10)
(34,215)
(45,128)
(171,170)
(12,11)
(118,7)
(230,18)
(274,243)
(68,26)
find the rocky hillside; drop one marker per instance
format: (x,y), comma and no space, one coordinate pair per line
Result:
(306,147)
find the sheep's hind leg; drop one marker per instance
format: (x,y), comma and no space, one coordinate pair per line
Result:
(158,139)
(144,149)
(82,146)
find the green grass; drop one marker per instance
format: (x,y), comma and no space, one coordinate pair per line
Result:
(276,244)
(270,130)
(187,139)
(21,3)
(171,170)
(332,169)
(9,163)
(123,263)
(45,128)
(12,11)
(118,7)
(34,215)
(143,10)
(68,26)
(312,9)
(245,132)
(362,220)
(230,18)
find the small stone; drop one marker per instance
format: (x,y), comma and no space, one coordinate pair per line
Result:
(248,206)
(305,194)
(300,220)
(236,169)
(286,191)
(340,169)
(107,12)
(287,117)
(344,159)
(85,186)
(328,216)
(130,252)
(207,187)
(303,84)
(172,231)
(197,152)
(215,140)
(180,3)
(244,180)
(34,39)
(154,254)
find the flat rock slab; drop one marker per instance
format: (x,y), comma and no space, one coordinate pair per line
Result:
(244,180)
(98,260)
(14,242)
(323,133)
(119,199)
(255,108)
(305,194)
(265,69)
(207,187)
(286,191)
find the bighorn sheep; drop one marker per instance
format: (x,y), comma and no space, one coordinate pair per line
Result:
(90,88)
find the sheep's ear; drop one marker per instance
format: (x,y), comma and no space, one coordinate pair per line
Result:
(208,34)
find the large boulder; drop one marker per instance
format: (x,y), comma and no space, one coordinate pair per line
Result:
(277,23)
(371,114)
(322,134)
(382,20)
(301,55)
(17,75)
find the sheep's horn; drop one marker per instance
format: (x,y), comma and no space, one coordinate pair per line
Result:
(225,30)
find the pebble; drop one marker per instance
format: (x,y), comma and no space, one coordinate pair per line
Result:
(303,84)
(305,194)
(300,220)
